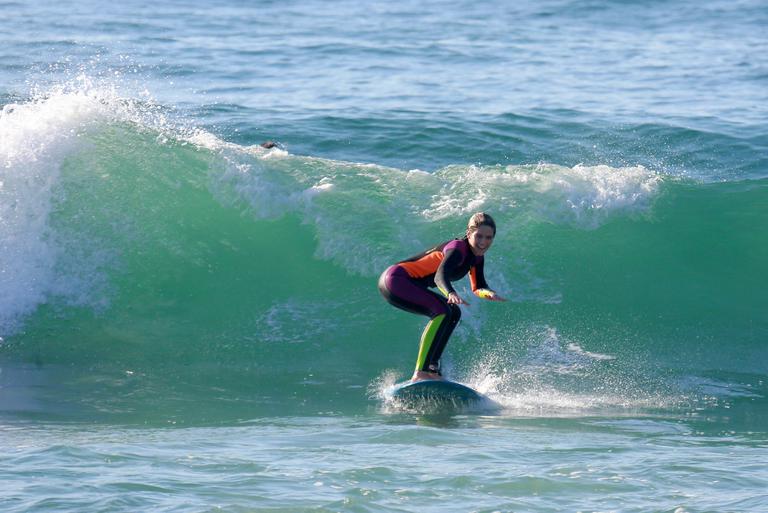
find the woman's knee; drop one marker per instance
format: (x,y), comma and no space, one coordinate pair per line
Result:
(452,312)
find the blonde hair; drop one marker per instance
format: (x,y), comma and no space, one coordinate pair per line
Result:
(478,220)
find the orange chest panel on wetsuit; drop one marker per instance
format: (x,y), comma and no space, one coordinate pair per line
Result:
(423,265)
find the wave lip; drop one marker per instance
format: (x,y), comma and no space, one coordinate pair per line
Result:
(584,196)
(36,137)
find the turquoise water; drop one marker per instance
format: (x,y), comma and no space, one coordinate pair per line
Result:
(190,322)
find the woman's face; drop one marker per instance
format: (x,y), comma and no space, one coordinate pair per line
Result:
(481,239)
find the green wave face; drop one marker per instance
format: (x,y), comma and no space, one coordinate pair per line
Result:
(165,272)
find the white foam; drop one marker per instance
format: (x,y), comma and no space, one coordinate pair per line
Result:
(378,389)
(558,378)
(584,196)
(36,136)
(323,186)
(523,393)
(576,348)
(378,199)
(34,139)
(209,141)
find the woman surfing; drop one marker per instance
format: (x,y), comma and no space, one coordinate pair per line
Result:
(407,285)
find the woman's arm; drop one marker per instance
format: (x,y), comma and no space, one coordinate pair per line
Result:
(452,257)
(479,285)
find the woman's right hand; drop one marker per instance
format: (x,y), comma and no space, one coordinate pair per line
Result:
(455,299)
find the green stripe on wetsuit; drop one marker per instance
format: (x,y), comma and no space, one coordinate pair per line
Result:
(427,338)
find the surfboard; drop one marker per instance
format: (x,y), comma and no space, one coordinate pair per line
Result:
(436,392)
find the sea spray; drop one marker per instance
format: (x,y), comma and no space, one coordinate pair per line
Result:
(163,257)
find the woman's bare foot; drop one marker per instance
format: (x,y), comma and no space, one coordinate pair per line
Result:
(424,375)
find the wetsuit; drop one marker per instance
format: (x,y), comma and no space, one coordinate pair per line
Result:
(407,284)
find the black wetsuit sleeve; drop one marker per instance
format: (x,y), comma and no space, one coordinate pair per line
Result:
(452,259)
(480,282)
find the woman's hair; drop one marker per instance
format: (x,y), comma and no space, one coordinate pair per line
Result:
(478,220)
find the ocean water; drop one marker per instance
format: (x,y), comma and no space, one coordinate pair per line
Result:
(189,322)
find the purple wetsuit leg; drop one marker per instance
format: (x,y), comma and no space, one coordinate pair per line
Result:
(402,291)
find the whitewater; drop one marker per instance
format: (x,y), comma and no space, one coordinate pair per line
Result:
(189,321)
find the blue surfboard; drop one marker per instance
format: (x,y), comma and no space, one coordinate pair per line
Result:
(437,393)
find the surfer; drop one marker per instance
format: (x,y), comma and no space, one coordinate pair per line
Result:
(407,285)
